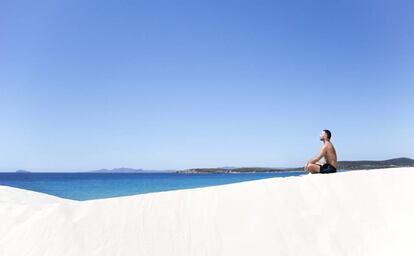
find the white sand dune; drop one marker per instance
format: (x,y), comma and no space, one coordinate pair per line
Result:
(350,213)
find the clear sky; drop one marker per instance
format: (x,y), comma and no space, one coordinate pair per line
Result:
(182,84)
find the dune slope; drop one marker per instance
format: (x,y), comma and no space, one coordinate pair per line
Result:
(350,213)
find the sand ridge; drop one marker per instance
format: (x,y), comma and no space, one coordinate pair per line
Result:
(348,213)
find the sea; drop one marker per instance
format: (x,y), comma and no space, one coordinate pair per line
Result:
(87,186)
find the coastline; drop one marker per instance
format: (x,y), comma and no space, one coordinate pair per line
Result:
(346,213)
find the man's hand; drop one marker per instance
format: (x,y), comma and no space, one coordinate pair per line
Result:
(306,165)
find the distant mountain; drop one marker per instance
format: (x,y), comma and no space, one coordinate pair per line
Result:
(227,167)
(238,170)
(127,170)
(342,165)
(22,171)
(366,164)
(118,170)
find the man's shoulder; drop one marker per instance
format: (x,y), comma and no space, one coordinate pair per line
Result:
(327,145)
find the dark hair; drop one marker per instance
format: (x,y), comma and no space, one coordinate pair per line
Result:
(328,133)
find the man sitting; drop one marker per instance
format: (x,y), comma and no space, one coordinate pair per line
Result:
(328,152)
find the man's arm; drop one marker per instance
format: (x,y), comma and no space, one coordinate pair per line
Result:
(318,157)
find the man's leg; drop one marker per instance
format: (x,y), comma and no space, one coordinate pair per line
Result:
(313,168)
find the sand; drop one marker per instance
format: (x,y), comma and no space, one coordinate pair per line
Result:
(350,213)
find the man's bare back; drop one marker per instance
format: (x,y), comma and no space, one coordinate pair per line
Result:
(328,152)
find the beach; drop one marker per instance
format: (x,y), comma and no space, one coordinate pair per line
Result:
(345,213)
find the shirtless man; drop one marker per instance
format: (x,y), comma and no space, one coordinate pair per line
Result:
(328,152)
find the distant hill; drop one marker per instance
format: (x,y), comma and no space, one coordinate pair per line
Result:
(227,167)
(342,165)
(22,171)
(356,165)
(118,170)
(237,170)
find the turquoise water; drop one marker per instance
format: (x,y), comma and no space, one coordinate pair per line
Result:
(86,186)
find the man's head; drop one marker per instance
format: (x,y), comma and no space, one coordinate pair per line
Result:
(325,135)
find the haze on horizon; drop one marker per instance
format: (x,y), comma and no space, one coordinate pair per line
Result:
(161,85)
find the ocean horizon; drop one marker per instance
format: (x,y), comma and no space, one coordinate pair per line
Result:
(83,186)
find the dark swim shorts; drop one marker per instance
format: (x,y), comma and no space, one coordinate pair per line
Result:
(327,168)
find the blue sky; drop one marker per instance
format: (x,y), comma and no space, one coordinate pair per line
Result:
(182,84)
